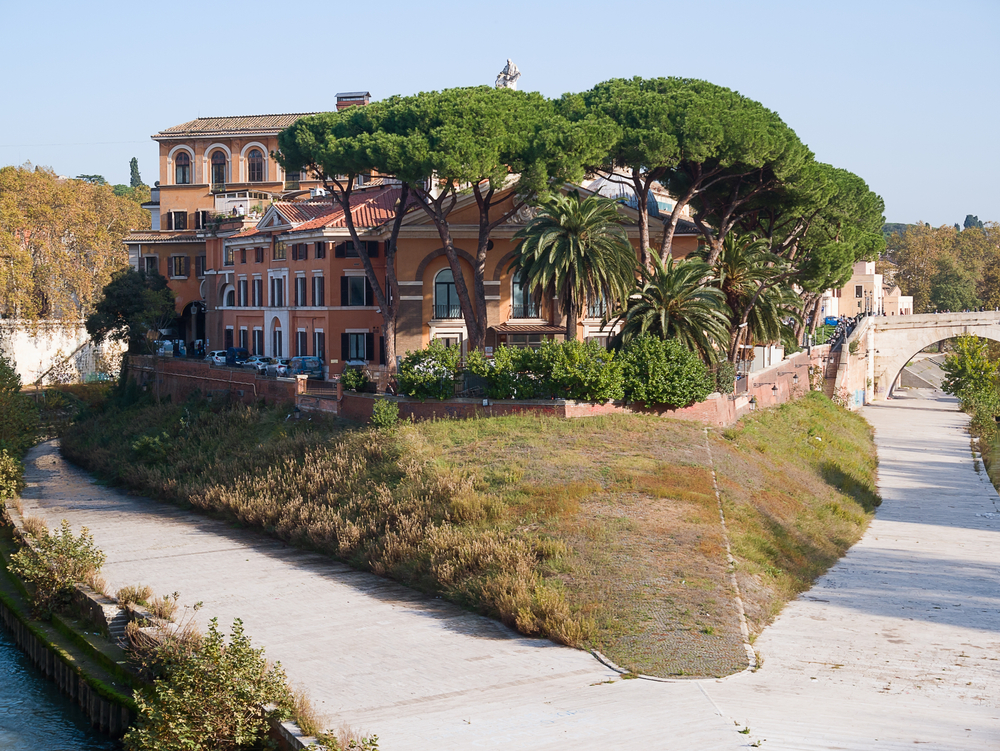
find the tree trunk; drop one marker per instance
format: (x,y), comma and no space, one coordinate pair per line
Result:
(570,308)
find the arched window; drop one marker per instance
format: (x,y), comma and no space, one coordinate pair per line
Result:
(182,169)
(255,166)
(231,298)
(446,303)
(218,168)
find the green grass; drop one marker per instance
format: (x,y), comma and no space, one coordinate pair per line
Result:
(600,532)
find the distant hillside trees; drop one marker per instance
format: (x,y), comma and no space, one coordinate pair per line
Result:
(60,242)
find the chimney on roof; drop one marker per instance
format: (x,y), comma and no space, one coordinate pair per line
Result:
(351,98)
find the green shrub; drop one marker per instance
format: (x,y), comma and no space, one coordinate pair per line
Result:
(511,374)
(429,373)
(18,413)
(664,372)
(55,563)
(211,698)
(11,475)
(353,379)
(584,371)
(385,414)
(153,449)
(725,377)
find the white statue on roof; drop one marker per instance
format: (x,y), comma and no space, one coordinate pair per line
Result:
(508,76)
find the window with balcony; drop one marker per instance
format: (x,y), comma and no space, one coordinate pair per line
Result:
(597,308)
(182,169)
(446,304)
(219,170)
(255,166)
(521,303)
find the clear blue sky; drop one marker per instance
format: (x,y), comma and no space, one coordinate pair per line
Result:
(902,93)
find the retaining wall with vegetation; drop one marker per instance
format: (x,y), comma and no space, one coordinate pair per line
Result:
(178,379)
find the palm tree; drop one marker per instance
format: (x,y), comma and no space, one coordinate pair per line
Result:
(674,302)
(578,248)
(755,283)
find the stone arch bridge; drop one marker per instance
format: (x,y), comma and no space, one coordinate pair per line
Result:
(884,344)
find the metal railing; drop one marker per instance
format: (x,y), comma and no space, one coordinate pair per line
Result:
(447,311)
(525,310)
(597,309)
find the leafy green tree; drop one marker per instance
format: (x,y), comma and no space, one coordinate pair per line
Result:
(971,222)
(577,248)
(53,563)
(18,412)
(504,147)
(60,241)
(334,146)
(972,376)
(953,288)
(135,179)
(134,304)
(212,699)
(664,371)
(674,302)
(93,179)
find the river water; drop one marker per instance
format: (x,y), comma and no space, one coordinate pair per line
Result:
(34,715)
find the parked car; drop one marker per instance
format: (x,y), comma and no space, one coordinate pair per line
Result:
(831,321)
(309,366)
(236,356)
(279,367)
(258,362)
(216,357)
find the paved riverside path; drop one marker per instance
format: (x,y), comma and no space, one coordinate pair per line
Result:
(897,645)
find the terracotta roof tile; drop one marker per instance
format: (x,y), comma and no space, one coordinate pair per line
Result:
(149,235)
(369,210)
(238,125)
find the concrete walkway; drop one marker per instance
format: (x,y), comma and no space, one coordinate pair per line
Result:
(897,645)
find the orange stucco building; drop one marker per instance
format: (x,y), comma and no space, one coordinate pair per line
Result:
(272,267)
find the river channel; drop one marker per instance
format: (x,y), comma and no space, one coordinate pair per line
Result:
(34,715)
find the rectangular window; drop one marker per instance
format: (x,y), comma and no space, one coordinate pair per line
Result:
(258,255)
(858,290)
(258,293)
(280,252)
(258,341)
(152,264)
(319,345)
(319,292)
(199,266)
(300,252)
(347,249)
(276,342)
(227,257)
(243,255)
(228,338)
(180,266)
(355,291)
(242,296)
(300,292)
(243,339)
(277,292)
(356,347)
(180,219)
(301,343)
(321,250)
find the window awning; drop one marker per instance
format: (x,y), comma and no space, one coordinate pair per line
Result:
(529,328)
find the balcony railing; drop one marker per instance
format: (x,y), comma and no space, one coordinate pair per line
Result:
(597,309)
(447,311)
(524,310)
(218,187)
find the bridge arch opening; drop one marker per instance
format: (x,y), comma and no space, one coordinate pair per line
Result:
(894,366)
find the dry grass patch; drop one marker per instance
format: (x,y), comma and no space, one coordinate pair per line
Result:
(601,532)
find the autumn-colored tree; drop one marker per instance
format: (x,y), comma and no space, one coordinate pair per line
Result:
(60,241)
